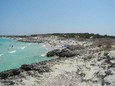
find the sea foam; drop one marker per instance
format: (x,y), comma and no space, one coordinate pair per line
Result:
(23,47)
(29,44)
(43,54)
(1,54)
(12,51)
(43,45)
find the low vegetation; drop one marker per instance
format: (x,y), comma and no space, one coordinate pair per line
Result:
(65,35)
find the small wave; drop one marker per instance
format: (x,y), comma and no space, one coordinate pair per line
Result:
(29,44)
(23,47)
(43,54)
(1,54)
(12,51)
(43,45)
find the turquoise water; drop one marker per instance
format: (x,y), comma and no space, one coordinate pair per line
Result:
(13,54)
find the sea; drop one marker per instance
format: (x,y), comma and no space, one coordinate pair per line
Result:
(14,53)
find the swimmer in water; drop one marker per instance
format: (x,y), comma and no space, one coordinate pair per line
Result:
(12,46)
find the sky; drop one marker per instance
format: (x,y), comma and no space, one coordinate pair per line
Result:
(23,17)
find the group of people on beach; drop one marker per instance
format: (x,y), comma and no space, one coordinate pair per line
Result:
(59,43)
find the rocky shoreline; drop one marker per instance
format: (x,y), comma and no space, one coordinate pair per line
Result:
(79,63)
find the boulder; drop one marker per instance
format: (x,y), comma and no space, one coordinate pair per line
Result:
(9,73)
(61,53)
(66,53)
(27,67)
(41,67)
(53,53)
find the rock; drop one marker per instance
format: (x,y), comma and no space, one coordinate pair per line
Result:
(9,73)
(27,67)
(11,83)
(66,53)
(69,51)
(61,53)
(41,67)
(108,72)
(53,53)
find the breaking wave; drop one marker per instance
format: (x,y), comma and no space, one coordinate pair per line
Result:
(12,51)
(23,47)
(1,54)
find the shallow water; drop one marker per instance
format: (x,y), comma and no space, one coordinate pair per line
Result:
(13,54)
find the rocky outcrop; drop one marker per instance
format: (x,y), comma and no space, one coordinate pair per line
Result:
(66,53)
(69,51)
(61,53)
(53,53)
(36,67)
(27,67)
(39,67)
(9,73)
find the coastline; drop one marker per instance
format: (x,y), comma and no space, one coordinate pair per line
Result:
(18,54)
(92,66)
